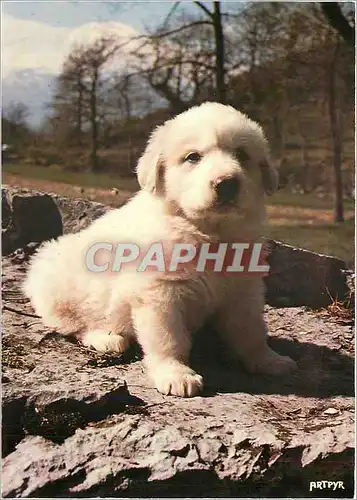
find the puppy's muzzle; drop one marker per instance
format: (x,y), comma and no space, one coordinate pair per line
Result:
(227,190)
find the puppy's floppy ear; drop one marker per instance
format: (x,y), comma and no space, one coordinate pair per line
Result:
(270,175)
(150,166)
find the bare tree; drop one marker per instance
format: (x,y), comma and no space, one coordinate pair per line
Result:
(95,58)
(74,74)
(291,69)
(15,129)
(68,102)
(177,63)
(81,89)
(331,60)
(186,60)
(335,124)
(325,56)
(17,112)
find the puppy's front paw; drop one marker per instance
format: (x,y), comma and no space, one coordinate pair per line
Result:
(272,363)
(176,379)
(104,342)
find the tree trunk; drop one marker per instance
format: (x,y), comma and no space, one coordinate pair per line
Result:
(127,105)
(305,170)
(336,137)
(336,19)
(79,112)
(130,155)
(219,41)
(305,181)
(94,125)
(279,135)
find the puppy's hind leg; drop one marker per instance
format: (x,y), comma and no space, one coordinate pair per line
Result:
(242,324)
(104,341)
(166,344)
(114,333)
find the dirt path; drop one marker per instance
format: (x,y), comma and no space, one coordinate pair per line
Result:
(100,195)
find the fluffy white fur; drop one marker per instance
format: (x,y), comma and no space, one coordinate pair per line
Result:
(177,203)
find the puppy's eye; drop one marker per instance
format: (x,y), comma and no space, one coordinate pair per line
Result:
(193,157)
(241,154)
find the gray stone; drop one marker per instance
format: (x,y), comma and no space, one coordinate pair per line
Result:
(298,277)
(78,424)
(28,218)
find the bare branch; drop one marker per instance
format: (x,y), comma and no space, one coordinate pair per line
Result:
(178,30)
(204,8)
(169,15)
(232,15)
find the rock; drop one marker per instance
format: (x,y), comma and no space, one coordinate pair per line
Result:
(77,424)
(78,214)
(299,277)
(28,218)
(350,278)
(32,216)
(331,411)
(55,399)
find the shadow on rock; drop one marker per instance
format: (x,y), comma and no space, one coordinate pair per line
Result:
(323,372)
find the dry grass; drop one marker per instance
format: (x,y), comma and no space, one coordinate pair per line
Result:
(280,215)
(343,313)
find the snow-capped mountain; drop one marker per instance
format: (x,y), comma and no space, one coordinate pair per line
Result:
(32,87)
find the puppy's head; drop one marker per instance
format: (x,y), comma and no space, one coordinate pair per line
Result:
(210,159)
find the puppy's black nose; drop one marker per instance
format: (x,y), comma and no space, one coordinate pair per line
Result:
(227,189)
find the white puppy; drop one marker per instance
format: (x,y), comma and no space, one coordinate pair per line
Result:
(203,177)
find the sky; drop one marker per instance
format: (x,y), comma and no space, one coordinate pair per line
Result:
(71,14)
(38,34)
(36,37)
